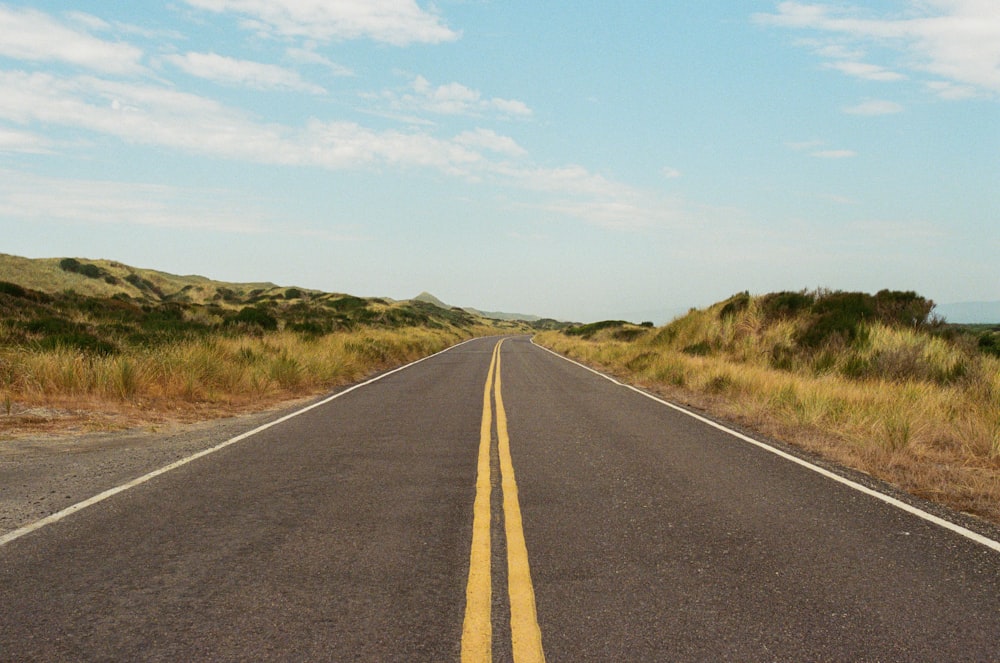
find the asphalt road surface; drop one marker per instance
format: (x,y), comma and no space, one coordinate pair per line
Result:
(423,518)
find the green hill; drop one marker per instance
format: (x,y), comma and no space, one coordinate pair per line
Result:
(104,306)
(107,278)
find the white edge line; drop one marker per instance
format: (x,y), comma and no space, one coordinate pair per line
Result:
(909,508)
(100,497)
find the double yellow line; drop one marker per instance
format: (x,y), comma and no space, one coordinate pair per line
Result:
(477,630)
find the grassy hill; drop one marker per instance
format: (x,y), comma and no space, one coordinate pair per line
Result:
(105,305)
(96,336)
(107,278)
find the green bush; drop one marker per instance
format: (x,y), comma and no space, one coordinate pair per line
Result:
(81,341)
(49,326)
(254,317)
(904,309)
(785,305)
(586,331)
(837,315)
(989,342)
(735,304)
(347,303)
(12,289)
(84,268)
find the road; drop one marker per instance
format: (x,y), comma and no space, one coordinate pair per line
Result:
(496,502)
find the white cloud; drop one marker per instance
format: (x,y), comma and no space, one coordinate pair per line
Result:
(671,173)
(871,72)
(954,40)
(874,107)
(145,114)
(310,56)
(834,154)
(492,141)
(21,141)
(810,146)
(27,34)
(29,198)
(256,75)
(451,99)
(397,22)
(150,115)
(947,90)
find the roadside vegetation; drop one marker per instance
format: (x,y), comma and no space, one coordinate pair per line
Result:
(874,382)
(187,348)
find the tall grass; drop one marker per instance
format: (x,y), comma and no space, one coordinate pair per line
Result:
(216,369)
(902,404)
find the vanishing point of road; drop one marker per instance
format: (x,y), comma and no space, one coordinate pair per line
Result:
(495,501)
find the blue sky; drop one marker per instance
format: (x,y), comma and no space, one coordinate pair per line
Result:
(577,160)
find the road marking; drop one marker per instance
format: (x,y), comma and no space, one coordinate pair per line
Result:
(899,504)
(526,636)
(477,629)
(100,497)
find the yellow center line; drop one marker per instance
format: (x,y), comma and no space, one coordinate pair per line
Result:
(477,629)
(526,636)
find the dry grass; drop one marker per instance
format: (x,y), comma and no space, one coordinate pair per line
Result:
(907,407)
(213,376)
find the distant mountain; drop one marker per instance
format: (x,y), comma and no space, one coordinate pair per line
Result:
(970,312)
(495,315)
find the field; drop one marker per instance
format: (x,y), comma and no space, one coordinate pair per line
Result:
(873,382)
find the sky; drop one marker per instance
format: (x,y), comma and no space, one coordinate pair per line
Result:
(577,160)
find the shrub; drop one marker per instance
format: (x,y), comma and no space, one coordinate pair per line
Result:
(989,342)
(254,317)
(51,325)
(69,265)
(735,304)
(12,289)
(586,331)
(785,305)
(82,341)
(906,309)
(837,315)
(347,303)
(86,269)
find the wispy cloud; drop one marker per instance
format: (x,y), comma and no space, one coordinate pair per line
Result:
(310,56)
(871,72)
(397,22)
(490,140)
(230,71)
(144,114)
(30,35)
(955,41)
(449,99)
(874,107)
(811,147)
(29,198)
(23,141)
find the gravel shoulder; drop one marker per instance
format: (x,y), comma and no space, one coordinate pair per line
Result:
(45,473)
